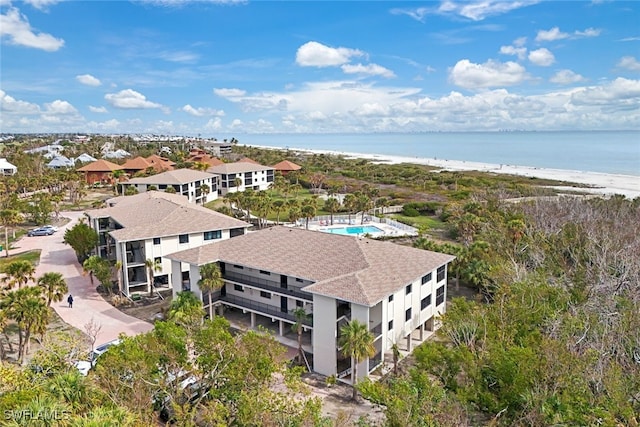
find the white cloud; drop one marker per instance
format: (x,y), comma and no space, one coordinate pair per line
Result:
(369,69)
(130,99)
(551,35)
(619,91)
(469,75)
(542,57)
(589,32)
(97,109)
(214,124)
(9,104)
(179,56)
(629,63)
(314,54)
(41,4)
(201,112)
(520,52)
(566,77)
(474,10)
(16,28)
(59,107)
(229,92)
(88,79)
(418,14)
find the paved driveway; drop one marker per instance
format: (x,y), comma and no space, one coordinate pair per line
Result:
(87,304)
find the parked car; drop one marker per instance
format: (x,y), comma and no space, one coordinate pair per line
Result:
(50,227)
(40,232)
(84,366)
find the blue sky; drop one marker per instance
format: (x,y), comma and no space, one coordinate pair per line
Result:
(223,68)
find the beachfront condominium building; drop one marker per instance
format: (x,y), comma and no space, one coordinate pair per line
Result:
(398,291)
(240,176)
(199,187)
(140,230)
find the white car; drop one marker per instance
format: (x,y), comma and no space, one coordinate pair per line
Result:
(50,227)
(84,366)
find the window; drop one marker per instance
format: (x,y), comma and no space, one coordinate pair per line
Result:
(441,271)
(156,240)
(265,272)
(390,325)
(426,278)
(407,315)
(426,302)
(238,288)
(440,295)
(211,235)
(299,303)
(391,298)
(264,294)
(407,290)
(183,238)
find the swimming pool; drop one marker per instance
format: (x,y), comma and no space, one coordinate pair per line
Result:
(349,231)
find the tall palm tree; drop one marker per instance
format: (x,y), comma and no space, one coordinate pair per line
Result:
(118,268)
(153,266)
(356,342)
(332,205)
(301,317)
(9,218)
(349,203)
(18,273)
(237,183)
(210,281)
(53,287)
(29,310)
(278,205)
(205,189)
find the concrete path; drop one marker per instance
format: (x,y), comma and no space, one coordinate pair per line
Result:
(87,303)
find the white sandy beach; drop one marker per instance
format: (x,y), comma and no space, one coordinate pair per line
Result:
(601,183)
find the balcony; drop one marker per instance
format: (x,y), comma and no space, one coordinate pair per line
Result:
(270,285)
(376,330)
(375,361)
(260,308)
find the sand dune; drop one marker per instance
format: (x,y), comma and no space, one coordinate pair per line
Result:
(600,183)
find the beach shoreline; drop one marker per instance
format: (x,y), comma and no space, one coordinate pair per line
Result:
(600,183)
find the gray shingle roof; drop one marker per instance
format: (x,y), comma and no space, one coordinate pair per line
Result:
(362,271)
(157,214)
(174,177)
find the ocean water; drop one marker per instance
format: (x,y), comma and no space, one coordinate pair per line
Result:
(616,152)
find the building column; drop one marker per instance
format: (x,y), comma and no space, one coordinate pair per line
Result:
(421,332)
(281,327)
(409,343)
(220,310)
(253,320)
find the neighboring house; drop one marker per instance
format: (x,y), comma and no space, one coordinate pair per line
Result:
(200,156)
(61,162)
(187,182)
(7,168)
(100,171)
(151,225)
(256,177)
(217,148)
(85,158)
(160,164)
(285,166)
(399,291)
(248,160)
(118,154)
(136,165)
(48,151)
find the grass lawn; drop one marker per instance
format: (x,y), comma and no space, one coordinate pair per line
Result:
(417,221)
(32,256)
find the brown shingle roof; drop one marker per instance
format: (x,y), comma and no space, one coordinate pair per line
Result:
(138,164)
(157,214)
(287,166)
(100,166)
(174,177)
(362,271)
(160,163)
(248,160)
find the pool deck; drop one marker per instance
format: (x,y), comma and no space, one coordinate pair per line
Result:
(385,229)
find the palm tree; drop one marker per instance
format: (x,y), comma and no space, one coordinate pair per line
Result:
(153,266)
(53,286)
(278,205)
(210,281)
(356,342)
(396,357)
(29,310)
(301,317)
(9,218)
(18,273)
(205,189)
(118,267)
(349,203)
(332,205)
(237,183)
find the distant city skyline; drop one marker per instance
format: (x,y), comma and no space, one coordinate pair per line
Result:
(227,68)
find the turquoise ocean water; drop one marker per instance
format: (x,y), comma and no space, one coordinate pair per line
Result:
(615,152)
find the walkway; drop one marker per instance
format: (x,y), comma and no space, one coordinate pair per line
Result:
(87,304)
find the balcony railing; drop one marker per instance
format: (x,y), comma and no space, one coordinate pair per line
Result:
(375,361)
(376,330)
(262,308)
(271,285)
